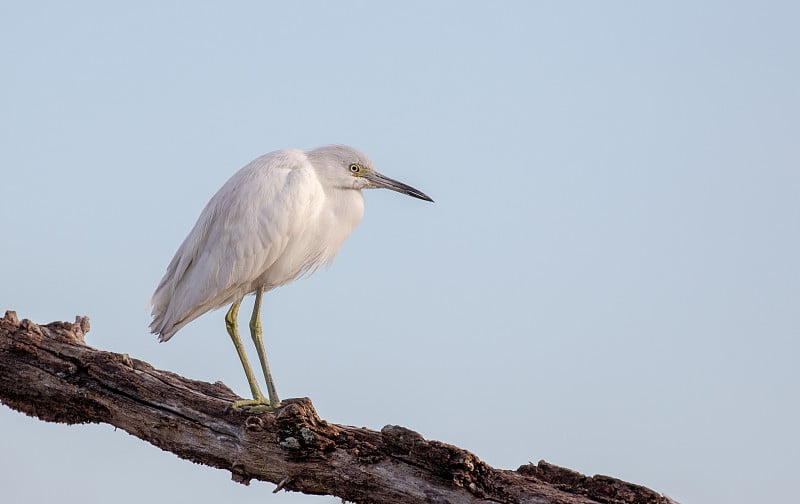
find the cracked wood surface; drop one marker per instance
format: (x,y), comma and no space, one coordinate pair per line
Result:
(48,371)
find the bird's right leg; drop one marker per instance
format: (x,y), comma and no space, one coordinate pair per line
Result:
(232,325)
(257,334)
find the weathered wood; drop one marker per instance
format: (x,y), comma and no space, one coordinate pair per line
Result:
(49,372)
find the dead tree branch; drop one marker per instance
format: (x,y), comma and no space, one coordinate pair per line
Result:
(49,372)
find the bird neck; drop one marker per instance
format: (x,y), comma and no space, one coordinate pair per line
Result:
(346,208)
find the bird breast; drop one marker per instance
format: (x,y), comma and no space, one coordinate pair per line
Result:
(330,220)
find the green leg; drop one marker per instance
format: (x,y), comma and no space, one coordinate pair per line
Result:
(232,324)
(258,339)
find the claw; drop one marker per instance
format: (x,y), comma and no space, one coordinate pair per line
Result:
(260,405)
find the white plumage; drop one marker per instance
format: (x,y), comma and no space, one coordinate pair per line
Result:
(284,214)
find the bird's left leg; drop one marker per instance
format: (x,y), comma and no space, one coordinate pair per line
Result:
(232,325)
(258,338)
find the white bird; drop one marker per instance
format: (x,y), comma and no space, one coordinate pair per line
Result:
(283,215)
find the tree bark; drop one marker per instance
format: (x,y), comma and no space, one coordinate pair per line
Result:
(49,372)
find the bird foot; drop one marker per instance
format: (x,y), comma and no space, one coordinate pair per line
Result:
(261,405)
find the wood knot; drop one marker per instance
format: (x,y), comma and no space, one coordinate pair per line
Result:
(11,317)
(31,327)
(300,429)
(298,409)
(81,327)
(240,475)
(259,423)
(399,440)
(462,461)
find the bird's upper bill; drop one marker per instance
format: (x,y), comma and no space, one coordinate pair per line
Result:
(377,180)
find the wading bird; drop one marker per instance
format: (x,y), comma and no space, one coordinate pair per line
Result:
(283,215)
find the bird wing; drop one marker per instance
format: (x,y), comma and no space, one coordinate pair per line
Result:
(242,231)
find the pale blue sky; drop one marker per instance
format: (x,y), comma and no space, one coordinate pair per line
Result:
(608,280)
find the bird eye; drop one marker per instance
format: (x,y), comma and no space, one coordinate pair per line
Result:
(355,168)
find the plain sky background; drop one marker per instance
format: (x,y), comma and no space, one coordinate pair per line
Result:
(608,279)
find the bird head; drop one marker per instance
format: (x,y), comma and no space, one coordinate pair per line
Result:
(349,168)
